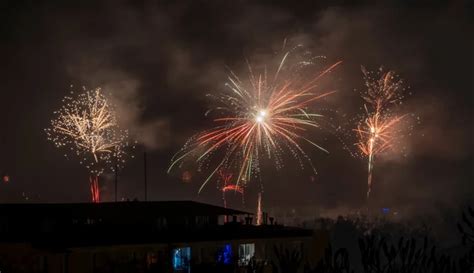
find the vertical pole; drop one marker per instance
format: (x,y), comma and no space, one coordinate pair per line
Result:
(66,262)
(116,181)
(93,263)
(145,175)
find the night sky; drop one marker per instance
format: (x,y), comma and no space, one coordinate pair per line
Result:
(160,58)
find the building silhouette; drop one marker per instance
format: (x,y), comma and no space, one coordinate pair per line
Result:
(170,236)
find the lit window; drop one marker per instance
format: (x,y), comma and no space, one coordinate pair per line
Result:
(181,259)
(246,252)
(224,255)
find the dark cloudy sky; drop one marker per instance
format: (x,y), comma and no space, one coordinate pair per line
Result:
(160,58)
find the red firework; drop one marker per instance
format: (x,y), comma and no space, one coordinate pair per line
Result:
(226,187)
(94,187)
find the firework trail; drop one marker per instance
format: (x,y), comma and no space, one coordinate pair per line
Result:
(87,127)
(376,131)
(259,209)
(261,115)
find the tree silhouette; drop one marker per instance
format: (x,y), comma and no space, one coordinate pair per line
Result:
(466,227)
(337,262)
(288,261)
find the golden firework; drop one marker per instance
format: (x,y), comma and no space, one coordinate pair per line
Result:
(87,126)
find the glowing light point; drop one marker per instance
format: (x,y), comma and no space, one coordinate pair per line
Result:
(261,116)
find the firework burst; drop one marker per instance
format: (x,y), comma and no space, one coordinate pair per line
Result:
(263,115)
(86,125)
(227,186)
(377,130)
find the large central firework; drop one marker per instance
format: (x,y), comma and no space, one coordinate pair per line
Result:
(87,126)
(377,129)
(263,115)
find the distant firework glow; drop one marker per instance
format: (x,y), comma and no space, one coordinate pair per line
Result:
(377,130)
(262,115)
(87,127)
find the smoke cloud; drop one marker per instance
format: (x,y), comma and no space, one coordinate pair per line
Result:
(157,61)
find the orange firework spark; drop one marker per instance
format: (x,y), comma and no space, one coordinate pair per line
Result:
(232,187)
(263,116)
(376,131)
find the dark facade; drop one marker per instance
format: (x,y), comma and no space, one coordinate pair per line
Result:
(175,236)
